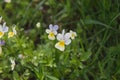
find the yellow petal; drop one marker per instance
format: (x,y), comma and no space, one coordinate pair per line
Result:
(10,34)
(72,36)
(51,36)
(60,45)
(1,34)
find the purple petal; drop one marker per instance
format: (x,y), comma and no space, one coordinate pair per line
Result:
(51,27)
(5,29)
(55,27)
(2,42)
(67,35)
(67,41)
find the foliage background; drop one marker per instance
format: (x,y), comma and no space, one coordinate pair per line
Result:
(93,55)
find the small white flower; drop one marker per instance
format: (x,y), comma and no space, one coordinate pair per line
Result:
(3,29)
(13,32)
(21,56)
(52,31)
(7,1)
(73,34)
(64,39)
(12,63)
(38,25)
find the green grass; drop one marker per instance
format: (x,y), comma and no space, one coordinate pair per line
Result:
(93,55)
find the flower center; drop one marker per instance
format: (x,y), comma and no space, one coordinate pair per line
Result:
(73,35)
(51,34)
(1,33)
(61,43)
(10,34)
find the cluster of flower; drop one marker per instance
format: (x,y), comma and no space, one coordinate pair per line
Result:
(63,38)
(4,29)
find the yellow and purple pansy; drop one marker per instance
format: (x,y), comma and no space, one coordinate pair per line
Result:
(64,39)
(13,32)
(3,29)
(52,31)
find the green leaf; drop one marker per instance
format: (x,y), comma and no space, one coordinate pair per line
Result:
(1,71)
(52,77)
(85,55)
(81,65)
(15,75)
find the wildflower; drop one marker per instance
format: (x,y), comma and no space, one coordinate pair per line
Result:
(3,29)
(73,34)
(52,31)
(38,25)
(7,1)
(12,64)
(21,56)
(12,33)
(64,39)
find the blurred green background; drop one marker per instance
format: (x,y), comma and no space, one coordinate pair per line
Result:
(93,55)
